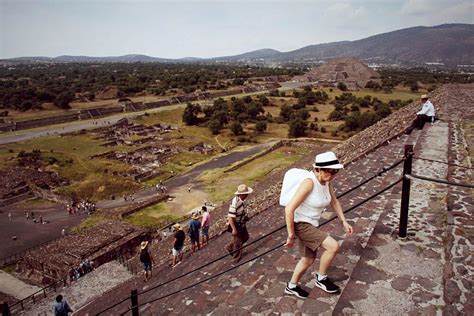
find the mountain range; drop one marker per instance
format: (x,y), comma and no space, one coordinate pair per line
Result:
(450,44)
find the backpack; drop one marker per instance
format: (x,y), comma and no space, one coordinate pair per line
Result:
(291,182)
(144,256)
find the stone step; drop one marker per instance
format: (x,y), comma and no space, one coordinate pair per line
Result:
(387,278)
(78,293)
(258,286)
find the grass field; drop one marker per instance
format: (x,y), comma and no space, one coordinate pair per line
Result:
(152,217)
(70,158)
(220,185)
(70,155)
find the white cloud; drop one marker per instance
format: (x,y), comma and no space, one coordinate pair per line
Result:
(432,12)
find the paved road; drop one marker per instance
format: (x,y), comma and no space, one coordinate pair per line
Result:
(188,177)
(69,127)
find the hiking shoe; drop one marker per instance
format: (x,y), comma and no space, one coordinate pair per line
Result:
(326,285)
(297,291)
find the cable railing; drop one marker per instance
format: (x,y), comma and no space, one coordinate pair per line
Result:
(379,173)
(443,162)
(136,306)
(465,185)
(21,304)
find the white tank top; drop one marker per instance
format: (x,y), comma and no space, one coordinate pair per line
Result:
(310,210)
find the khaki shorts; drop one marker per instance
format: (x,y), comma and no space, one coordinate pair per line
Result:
(310,238)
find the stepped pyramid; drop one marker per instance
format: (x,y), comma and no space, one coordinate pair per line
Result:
(430,272)
(351,71)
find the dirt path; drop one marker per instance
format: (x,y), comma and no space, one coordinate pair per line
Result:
(15,287)
(69,127)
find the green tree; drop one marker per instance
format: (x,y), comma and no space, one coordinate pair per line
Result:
(342,86)
(297,128)
(261,126)
(63,99)
(286,112)
(190,114)
(215,126)
(236,128)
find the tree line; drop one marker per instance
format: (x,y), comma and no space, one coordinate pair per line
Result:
(27,86)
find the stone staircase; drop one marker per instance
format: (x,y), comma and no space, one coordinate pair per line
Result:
(429,273)
(258,285)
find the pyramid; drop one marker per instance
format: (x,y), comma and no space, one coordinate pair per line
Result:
(351,71)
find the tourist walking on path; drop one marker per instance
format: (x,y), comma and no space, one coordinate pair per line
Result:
(9,216)
(205,222)
(147,261)
(61,307)
(238,218)
(425,115)
(178,244)
(302,216)
(193,230)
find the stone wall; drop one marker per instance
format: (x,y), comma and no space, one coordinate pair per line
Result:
(100,244)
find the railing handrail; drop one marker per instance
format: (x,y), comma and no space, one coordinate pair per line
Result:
(31,296)
(5,260)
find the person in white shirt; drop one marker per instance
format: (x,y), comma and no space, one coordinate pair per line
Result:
(302,216)
(425,115)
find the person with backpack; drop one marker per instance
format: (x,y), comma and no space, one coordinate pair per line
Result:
(61,307)
(193,231)
(147,261)
(237,220)
(302,213)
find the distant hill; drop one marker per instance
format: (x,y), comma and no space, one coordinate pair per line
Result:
(265,53)
(451,44)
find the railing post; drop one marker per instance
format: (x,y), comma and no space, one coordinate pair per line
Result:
(134,301)
(5,309)
(402,230)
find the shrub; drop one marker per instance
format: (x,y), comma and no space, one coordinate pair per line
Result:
(215,126)
(297,128)
(261,126)
(236,128)
(342,86)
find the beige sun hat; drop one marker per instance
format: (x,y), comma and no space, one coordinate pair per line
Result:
(143,245)
(177,226)
(195,216)
(424,96)
(243,189)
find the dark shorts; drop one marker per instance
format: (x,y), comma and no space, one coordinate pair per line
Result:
(205,230)
(310,238)
(194,238)
(147,266)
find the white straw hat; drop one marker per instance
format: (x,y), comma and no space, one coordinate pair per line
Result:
(327,160)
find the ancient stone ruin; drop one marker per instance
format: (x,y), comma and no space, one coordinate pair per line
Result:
(350,71)
(100,244)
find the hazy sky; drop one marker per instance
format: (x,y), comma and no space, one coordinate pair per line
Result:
(174,29)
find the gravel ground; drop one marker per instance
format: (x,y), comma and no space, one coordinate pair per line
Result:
(88,287)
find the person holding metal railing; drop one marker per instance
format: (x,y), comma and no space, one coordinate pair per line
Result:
(237,219)
(302,216)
